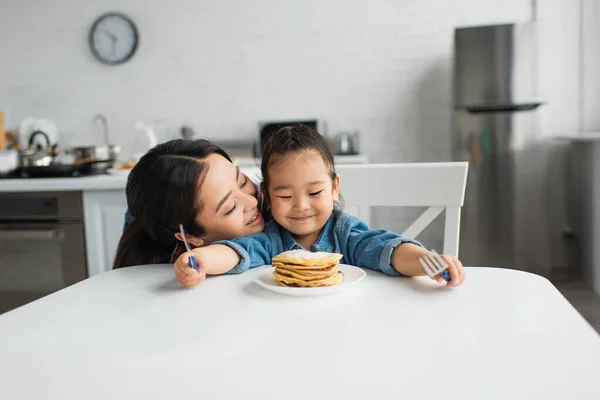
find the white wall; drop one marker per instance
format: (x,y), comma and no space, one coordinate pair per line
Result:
(590,47)
(561,85)
(381,66)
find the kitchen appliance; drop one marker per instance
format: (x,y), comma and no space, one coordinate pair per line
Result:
(38,155)
(187,132)
(346,143)
(42,246)
(495,128)
(148,130)
(99,158)
(29,125)
(45,161)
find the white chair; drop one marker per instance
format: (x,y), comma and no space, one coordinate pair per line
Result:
(439,186)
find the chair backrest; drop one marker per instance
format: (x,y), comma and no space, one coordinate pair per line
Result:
(439,186)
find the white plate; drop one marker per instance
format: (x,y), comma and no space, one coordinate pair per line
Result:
(352,275)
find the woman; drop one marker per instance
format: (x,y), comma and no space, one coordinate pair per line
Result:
(193,183)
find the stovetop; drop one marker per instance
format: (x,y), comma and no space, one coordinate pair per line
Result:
(21,175)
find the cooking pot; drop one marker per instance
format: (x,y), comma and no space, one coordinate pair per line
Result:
(41,163)
(99,158)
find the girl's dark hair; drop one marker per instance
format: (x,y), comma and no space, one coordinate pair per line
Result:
(291,139)
(161,193)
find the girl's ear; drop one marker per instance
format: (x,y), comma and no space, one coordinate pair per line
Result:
(336,188)
(193,240)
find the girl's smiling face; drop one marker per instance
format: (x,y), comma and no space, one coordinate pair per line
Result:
(302,194)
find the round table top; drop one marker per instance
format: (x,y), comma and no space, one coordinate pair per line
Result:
(135,333)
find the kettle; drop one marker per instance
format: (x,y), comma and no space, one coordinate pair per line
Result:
(38,156)
(346,143)
(148,129)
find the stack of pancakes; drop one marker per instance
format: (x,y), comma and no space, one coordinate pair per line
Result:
(302,268)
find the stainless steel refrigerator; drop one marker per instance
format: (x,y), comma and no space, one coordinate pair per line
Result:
(495,128)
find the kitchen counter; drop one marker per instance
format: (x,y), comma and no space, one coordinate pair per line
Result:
(116,180)
(579,137)
(244,162)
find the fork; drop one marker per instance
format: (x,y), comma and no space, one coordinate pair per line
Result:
(434,264)
(192,263)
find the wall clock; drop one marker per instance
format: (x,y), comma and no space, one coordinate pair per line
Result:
(113,38)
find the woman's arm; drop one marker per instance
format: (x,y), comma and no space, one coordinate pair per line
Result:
(218,258)
(229,256)
(212,260)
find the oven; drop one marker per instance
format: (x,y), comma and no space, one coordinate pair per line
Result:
(42,245)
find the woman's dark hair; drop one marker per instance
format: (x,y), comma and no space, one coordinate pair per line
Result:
(292,139)
(161,193)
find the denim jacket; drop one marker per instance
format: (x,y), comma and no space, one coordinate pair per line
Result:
(343,233)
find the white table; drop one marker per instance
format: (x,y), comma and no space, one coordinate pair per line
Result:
(135,334)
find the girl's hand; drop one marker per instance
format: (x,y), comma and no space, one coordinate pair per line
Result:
(186,275)
(456,270)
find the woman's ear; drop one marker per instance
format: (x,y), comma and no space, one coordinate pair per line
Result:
(336,188)
(193,240)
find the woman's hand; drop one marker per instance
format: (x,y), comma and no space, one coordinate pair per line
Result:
(215,259)
(186,275)
(456,270)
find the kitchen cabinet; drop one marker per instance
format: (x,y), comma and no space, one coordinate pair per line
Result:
(104,214)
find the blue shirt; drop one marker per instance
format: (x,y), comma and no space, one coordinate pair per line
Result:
(343,233)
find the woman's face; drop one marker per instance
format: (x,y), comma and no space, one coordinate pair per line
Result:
(228,208)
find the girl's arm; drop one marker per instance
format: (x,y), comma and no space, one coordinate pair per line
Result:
(405,259)
(387,252)
(373,248)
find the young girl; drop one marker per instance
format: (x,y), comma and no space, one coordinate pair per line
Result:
(302,189)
